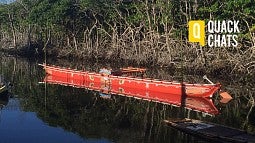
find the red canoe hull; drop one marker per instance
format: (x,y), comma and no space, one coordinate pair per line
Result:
(117,83)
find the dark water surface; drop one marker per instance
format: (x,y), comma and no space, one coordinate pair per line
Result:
(56,113)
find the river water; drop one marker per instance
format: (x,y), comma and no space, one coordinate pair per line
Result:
(40,112)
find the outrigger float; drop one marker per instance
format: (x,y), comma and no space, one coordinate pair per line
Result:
(192,96)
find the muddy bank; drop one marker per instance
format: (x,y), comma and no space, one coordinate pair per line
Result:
(34,50)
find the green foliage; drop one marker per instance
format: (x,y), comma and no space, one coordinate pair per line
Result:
(3,16)
(69,19)
(75,16)
(242,10)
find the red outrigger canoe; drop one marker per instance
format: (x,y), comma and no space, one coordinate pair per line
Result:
(154,90)
(117,83)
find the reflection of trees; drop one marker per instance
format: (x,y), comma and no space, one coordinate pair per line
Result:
(84,112)
(238,112)
(121,119)
(4,98)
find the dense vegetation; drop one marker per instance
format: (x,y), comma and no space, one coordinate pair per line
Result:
(144,32)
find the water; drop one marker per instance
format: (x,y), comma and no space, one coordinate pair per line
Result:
(56,113)
(20,126)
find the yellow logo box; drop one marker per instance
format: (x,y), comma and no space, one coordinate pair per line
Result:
(197,31)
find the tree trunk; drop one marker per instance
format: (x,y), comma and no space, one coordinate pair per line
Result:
(75,42)
(29,37)
(148,14)
(12,29)
(68,41)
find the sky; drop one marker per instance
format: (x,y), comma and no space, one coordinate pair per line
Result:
(6,1)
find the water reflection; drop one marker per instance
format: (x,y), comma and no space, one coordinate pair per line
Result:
(194,103)
(19,126)
(4,98)
(67,114)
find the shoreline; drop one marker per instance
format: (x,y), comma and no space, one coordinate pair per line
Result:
(73,57)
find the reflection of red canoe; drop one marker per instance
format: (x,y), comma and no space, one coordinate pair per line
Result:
(117,83)
(195,103)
